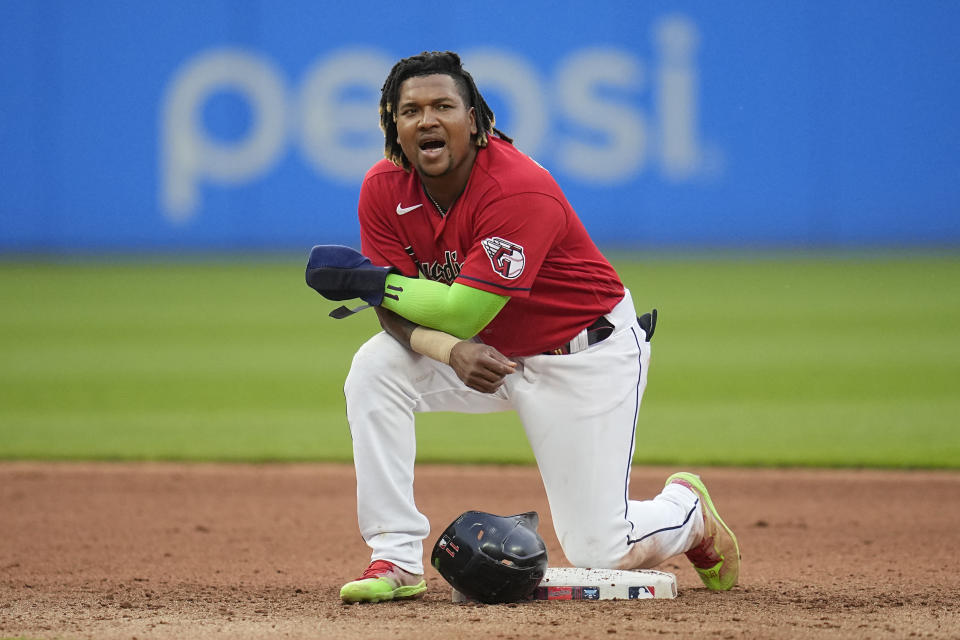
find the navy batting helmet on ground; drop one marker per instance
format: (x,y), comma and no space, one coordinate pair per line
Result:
(492,558)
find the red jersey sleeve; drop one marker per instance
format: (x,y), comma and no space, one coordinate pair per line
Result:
(379,241)
(511,240)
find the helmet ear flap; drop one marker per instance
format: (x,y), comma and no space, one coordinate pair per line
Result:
(531,519)
(492,558)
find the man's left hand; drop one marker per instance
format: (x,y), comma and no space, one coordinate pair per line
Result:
(480,366)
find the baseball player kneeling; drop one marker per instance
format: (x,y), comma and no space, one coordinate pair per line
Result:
(493,297)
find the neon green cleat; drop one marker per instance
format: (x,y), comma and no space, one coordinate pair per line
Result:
(383,581)
(717,557)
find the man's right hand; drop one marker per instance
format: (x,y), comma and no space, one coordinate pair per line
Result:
(480,366)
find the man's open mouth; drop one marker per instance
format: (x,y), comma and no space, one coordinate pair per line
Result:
(430,145)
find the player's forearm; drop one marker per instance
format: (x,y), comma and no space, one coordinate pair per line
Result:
(458,310)
(395,325)
(340,273)
(429,342)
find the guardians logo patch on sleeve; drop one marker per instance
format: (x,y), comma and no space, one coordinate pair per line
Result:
(505,257)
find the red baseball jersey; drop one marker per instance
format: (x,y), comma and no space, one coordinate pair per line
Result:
(511,232)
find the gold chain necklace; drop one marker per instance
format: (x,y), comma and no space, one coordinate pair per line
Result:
(443,212)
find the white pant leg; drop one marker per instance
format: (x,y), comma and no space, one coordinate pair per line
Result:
(580,414)
(669,524)
(387,383)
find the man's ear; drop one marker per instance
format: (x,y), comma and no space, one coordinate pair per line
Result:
(473,121)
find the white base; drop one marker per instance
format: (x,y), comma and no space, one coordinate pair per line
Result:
(567,583)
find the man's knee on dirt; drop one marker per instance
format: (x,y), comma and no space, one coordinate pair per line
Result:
(588,550)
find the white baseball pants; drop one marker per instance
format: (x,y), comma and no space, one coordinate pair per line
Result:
(579,412)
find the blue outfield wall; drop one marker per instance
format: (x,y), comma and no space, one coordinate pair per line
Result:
(185,124)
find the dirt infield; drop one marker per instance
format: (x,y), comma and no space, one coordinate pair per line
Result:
(221,551)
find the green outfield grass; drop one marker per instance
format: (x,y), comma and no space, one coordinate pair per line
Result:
(762,360)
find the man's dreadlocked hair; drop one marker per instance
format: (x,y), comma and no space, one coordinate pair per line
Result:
(424,64)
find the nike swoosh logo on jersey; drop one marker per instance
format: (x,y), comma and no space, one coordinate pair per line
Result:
(402,210)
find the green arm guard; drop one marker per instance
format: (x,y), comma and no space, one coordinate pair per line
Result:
(459,310)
